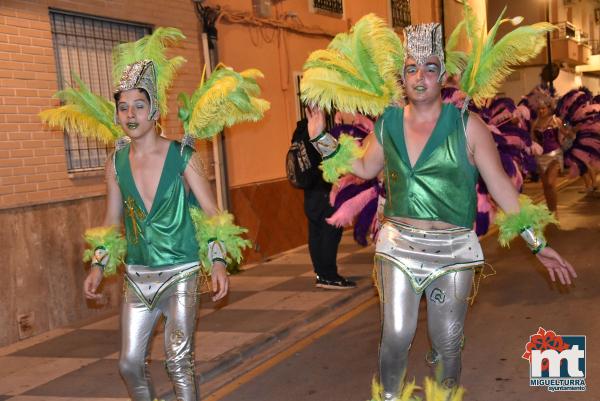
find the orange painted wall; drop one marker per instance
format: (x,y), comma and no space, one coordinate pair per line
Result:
(256,152)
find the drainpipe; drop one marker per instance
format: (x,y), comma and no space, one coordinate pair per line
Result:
(210,52)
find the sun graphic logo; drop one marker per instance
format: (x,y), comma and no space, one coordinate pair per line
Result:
(556,362)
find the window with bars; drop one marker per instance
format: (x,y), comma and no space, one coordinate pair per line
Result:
(400,13)
(330,7)
(83,45)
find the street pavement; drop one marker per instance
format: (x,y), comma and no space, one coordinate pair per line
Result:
(272,304)
(510,307)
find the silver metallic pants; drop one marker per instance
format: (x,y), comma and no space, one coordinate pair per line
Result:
(178,305)
(446,311)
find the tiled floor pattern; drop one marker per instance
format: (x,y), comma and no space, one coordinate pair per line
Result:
(80,363)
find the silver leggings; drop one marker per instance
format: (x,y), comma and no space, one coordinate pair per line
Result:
(178,305)
(446,310)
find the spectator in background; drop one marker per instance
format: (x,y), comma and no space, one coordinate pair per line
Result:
(323,238)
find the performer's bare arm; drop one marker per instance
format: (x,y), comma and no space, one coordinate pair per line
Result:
(114,200)
(112,217)
(366,167)
(485,157)
(196,177)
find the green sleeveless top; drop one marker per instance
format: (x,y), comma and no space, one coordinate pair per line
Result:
(165,234)
(441,184)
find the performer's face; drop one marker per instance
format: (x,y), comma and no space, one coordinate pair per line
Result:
(422,81)
(133,108)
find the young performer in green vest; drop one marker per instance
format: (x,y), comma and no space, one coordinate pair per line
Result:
(153,184)
(431,154)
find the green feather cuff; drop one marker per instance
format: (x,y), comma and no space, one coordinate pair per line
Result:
(112,241)
(340,162)
(220,228)
(531,216)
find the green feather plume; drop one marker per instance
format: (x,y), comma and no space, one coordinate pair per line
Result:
(490,63)
(529,216)
(114,243)
(456,60)
(225,99)
(341,162)
(151,47)
(219,227)
(84,113)
(358,71)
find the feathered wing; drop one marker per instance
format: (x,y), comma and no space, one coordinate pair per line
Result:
(151,47)
(84,113)
(358,72)
(225,99)
(490,63)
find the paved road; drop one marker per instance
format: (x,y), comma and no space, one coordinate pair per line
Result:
(509,308)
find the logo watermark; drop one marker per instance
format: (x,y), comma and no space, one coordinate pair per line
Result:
(556,362)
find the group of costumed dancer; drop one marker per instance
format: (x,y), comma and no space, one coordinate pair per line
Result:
(437,163)
(159,190)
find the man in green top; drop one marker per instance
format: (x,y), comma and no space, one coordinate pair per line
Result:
(148,181)
(431,157)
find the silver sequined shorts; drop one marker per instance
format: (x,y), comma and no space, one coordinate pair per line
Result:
(424,255)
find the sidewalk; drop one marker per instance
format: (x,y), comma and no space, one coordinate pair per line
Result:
(267,302)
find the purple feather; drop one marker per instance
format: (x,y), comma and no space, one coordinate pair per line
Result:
(349,129)
(482,223)
(364,221)
(351,191)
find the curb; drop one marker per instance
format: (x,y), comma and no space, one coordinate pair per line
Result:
(237,356)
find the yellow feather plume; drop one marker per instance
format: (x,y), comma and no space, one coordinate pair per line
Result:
(225,99)
(358,71)
(75,122)
(491,62)
(84,113)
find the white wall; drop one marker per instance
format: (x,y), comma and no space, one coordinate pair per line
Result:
(524,79)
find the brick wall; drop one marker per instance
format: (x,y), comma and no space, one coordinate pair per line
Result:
(32,157)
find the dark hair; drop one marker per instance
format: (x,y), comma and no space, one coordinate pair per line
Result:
(117,95)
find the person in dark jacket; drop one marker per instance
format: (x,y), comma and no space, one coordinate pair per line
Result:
(323,238)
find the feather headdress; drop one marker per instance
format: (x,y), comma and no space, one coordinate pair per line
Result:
(84,113)
(151,47)
(225,99)
(87,114)
(357,72)
(490,62)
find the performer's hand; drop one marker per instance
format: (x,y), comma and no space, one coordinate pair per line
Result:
(556,265)
(91,283)
(220,281)
(316,121)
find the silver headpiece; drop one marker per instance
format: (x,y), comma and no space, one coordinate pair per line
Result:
(141,75)
(422,41)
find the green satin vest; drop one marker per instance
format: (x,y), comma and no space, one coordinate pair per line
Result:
(441,184)
(165,235)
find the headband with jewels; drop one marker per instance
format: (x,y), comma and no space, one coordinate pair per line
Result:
(422,41)
(141,75)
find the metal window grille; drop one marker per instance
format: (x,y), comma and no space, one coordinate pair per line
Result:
(335,7)
(83,45)
(400,13)
(329,117)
